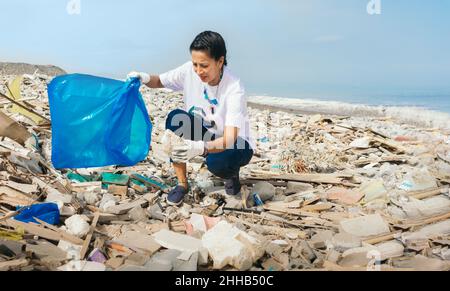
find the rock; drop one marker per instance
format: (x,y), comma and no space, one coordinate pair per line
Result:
(91,198)
(273,249)
(321,239)
(265,190)
(428,232)
(445,254)
(333,256)
(360,143)
(344,241)
(307,252)
(155,212)
(364,226)
(418,180)
(373,190)
(390,249)
(228,245)
(108,201)
(358,257)
(73,251)
(137,214)
(43,249)
(295,187)
(415,208)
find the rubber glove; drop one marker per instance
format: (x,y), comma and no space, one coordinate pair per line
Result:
(144,77)
(187,150)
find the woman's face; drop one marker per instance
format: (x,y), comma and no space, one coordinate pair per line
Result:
(207,68)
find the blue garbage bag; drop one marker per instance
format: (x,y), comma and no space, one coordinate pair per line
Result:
(47,212)
(97,122)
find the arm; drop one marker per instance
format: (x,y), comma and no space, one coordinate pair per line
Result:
(227,141)
(155,82)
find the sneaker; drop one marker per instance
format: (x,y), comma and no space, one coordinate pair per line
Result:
(233,186)
(176,195)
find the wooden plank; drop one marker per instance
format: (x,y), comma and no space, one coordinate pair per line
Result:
(390,144)
(81,187)
(37,230)
(65,235)
(87,241)
(281,207)
(26,108)
(317,207)
(427,221)
(428,193)
(24,188)
(14,264)
(308,178)
(13,193)
(389,159)
(382,238)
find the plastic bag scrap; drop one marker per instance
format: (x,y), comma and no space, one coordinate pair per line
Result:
(47,212)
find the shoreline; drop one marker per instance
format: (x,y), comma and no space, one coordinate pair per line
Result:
(411,115)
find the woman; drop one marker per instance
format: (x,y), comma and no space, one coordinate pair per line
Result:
(214,123)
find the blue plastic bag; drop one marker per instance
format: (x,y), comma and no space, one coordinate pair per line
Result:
(47,212)
(97,122)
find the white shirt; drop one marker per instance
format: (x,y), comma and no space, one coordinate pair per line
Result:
(231,108)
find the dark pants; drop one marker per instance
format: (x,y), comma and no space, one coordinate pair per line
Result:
(225,164)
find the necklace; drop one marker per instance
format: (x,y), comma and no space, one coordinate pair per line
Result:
(213,101)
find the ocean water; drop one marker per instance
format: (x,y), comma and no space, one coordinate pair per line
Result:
(437,101)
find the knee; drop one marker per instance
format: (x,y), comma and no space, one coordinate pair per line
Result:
(221,167)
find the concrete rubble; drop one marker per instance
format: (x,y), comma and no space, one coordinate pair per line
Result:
(322,192)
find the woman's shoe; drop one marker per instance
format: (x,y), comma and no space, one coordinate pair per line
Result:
(233,186)
(176,195)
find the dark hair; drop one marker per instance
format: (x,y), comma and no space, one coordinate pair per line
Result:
(211,42)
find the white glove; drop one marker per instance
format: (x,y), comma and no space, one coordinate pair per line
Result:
(187,150)
(144,77)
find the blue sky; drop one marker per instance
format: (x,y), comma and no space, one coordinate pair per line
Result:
(292,48)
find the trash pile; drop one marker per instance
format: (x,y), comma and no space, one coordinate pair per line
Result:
(321,193)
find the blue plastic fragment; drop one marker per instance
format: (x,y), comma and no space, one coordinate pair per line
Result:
(47,212)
